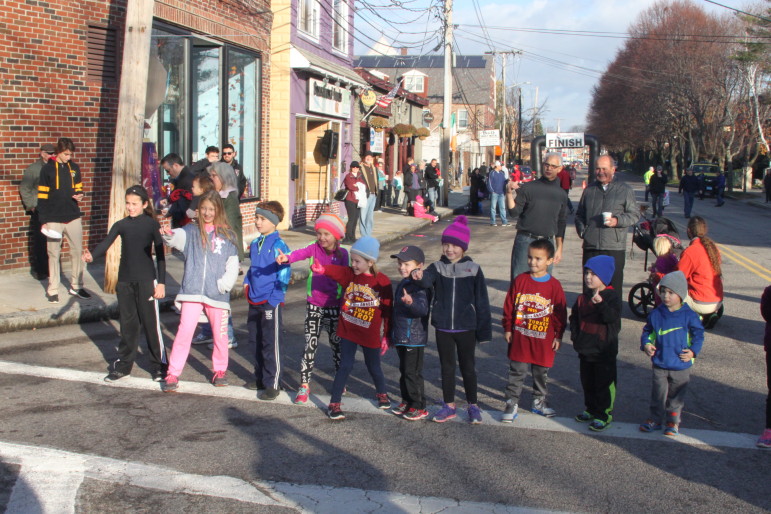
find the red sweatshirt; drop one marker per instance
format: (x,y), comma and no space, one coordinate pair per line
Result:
(367,302)
(536,314)
(703,284)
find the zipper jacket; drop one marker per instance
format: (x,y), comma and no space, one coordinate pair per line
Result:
(266,281)
(409,323)
(671,333)
(58,183)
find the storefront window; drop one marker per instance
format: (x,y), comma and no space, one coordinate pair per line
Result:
(242,114)
(205,78)
(165,110)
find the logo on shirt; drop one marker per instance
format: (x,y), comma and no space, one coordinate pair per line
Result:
(360,304)
(532,317)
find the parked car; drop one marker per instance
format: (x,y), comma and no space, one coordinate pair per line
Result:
(710,173)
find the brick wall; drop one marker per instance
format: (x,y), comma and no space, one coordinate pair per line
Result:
(45,94)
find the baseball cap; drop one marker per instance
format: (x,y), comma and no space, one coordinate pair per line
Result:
(48,147)
(410,253)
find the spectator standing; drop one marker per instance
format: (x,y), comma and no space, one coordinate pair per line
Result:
(496,185)
(432,175)
(658,188)
(367,216)
(647,179)
(182,193)
(720,188)
(212,155)
(355,185)
(28,189)
(566,184)
(60,190)
(229,157)
(606,237)
(689,186)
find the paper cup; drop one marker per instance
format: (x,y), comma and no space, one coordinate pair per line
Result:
(51,234)
(606,217)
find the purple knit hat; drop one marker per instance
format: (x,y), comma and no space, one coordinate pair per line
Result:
(457,233)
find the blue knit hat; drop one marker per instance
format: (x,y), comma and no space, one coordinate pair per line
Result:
(368,247)
(603,266)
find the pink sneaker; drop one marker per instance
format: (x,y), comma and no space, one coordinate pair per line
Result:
(302,395)
(765,439)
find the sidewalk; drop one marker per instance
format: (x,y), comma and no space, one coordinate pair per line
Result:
(23,303)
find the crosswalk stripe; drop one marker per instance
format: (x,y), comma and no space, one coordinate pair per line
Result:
(692,437)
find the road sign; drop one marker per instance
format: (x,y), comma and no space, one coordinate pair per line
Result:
(489,138)
(565,140)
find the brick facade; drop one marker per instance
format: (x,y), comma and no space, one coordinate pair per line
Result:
(46,94)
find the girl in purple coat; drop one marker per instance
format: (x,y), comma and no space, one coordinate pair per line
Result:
(324,295)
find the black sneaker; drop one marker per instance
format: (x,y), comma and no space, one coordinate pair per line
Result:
(254,386)
(158,375)
(114,376)
(270,394)
(52,298)
(80,293)
(335,412)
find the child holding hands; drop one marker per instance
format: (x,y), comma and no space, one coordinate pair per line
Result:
(672,338)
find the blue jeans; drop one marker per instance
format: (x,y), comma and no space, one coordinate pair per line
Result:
(367,216)
(206,330)
(657,202)
(497,200)
(347,358)
(433,194)
(688,201)
(519,254)
(719,195)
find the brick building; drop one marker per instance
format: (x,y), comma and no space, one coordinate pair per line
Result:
(209,83)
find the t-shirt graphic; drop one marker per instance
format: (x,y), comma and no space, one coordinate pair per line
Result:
(360,304)
(532,318)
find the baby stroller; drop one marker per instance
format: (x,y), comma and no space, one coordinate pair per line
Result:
(642,297)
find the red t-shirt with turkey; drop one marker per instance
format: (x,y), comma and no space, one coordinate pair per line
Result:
(535,312)
(366,305)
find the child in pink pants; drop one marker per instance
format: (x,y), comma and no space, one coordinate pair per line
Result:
(420,210)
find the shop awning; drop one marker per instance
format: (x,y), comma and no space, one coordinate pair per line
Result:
(304,60)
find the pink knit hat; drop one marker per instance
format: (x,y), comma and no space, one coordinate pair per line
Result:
(457,233)
(332,223)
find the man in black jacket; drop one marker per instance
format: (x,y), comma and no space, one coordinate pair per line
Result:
(229,157)
(180,198)
(689,186)
(432,175)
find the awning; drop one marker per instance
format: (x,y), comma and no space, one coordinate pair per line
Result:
(304,60)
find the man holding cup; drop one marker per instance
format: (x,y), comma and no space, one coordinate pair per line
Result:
(605,212)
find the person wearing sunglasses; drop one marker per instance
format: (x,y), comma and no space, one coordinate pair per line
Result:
(229,157)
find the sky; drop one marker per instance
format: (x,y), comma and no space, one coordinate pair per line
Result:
(560,68)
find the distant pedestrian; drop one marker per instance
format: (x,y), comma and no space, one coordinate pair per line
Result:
(720,188)
(689,186)
(365,319)
(460,314)
(211,269)
(366,215)
(658,188)
(432,175)
(409,333)
(28,189)
(672,338)
(358,195)
(139,286)
(496,186)
(566,183)
(534,320)
(647,180)
(767,185)
(765,310)
(595,322)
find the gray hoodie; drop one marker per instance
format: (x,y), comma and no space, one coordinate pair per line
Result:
(619,200)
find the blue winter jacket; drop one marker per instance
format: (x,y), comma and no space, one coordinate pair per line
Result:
(460,297)
(496,182)
(266,281)
(409,323)
(671,333)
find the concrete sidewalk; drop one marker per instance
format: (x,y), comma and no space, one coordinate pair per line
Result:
(23,303)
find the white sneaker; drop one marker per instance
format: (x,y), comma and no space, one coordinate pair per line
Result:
(232,344)
(540,407)
(201,339)
(510,412)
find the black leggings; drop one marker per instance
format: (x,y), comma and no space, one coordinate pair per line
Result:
(464,343)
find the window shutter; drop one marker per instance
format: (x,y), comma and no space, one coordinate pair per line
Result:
(102,53)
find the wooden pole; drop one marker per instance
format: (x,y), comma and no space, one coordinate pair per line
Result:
(126,164)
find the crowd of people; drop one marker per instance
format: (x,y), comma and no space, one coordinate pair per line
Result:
(358,306)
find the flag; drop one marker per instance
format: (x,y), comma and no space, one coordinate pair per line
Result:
(385,100)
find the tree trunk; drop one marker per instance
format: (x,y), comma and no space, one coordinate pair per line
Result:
(130,123)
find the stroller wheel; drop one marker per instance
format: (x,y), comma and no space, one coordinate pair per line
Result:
(641,299)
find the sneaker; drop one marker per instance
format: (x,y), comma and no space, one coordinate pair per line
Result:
(52,298)
(301,397)
(671,430)
(650,426)
(446,413)
(158,375)
(510,412)
(254,385)
(201,339)
(80,293)
(598,425)
(414,414)
(219,379)
(170,385)
(474,415)
(540,407)
(114,376)
(765,439)
(507,224)
(269,394)
(231,344)
(584,417)
(400,409)
(335,412)
(383,402)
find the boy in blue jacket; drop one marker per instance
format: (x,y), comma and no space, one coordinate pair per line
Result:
(672,338)
(409,333)
(265,288)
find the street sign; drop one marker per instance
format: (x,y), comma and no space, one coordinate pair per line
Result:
(565,140)
(489,138)
(375,141)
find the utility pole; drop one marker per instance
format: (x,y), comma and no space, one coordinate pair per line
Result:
(446,128)
(519,129)
(129,127)
(503,116)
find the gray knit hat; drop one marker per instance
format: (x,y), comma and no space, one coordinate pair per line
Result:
(676,282)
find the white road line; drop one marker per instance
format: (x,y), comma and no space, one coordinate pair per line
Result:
(29,493)
(692,437)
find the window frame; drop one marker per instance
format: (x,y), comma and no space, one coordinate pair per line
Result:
(315,9)
(340,23)
(464,125)
(414,79)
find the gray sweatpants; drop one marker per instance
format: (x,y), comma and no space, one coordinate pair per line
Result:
(517,374)
(668,394)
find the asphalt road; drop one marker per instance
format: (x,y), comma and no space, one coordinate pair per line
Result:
(98,447)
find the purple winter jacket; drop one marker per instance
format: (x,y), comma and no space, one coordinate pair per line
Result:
(322,291)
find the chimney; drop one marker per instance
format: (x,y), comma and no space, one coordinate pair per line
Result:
(404,51)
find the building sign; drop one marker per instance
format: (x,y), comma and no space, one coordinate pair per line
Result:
(565,140)
(489,138)
(376,141)
(368,98)
(328,99)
